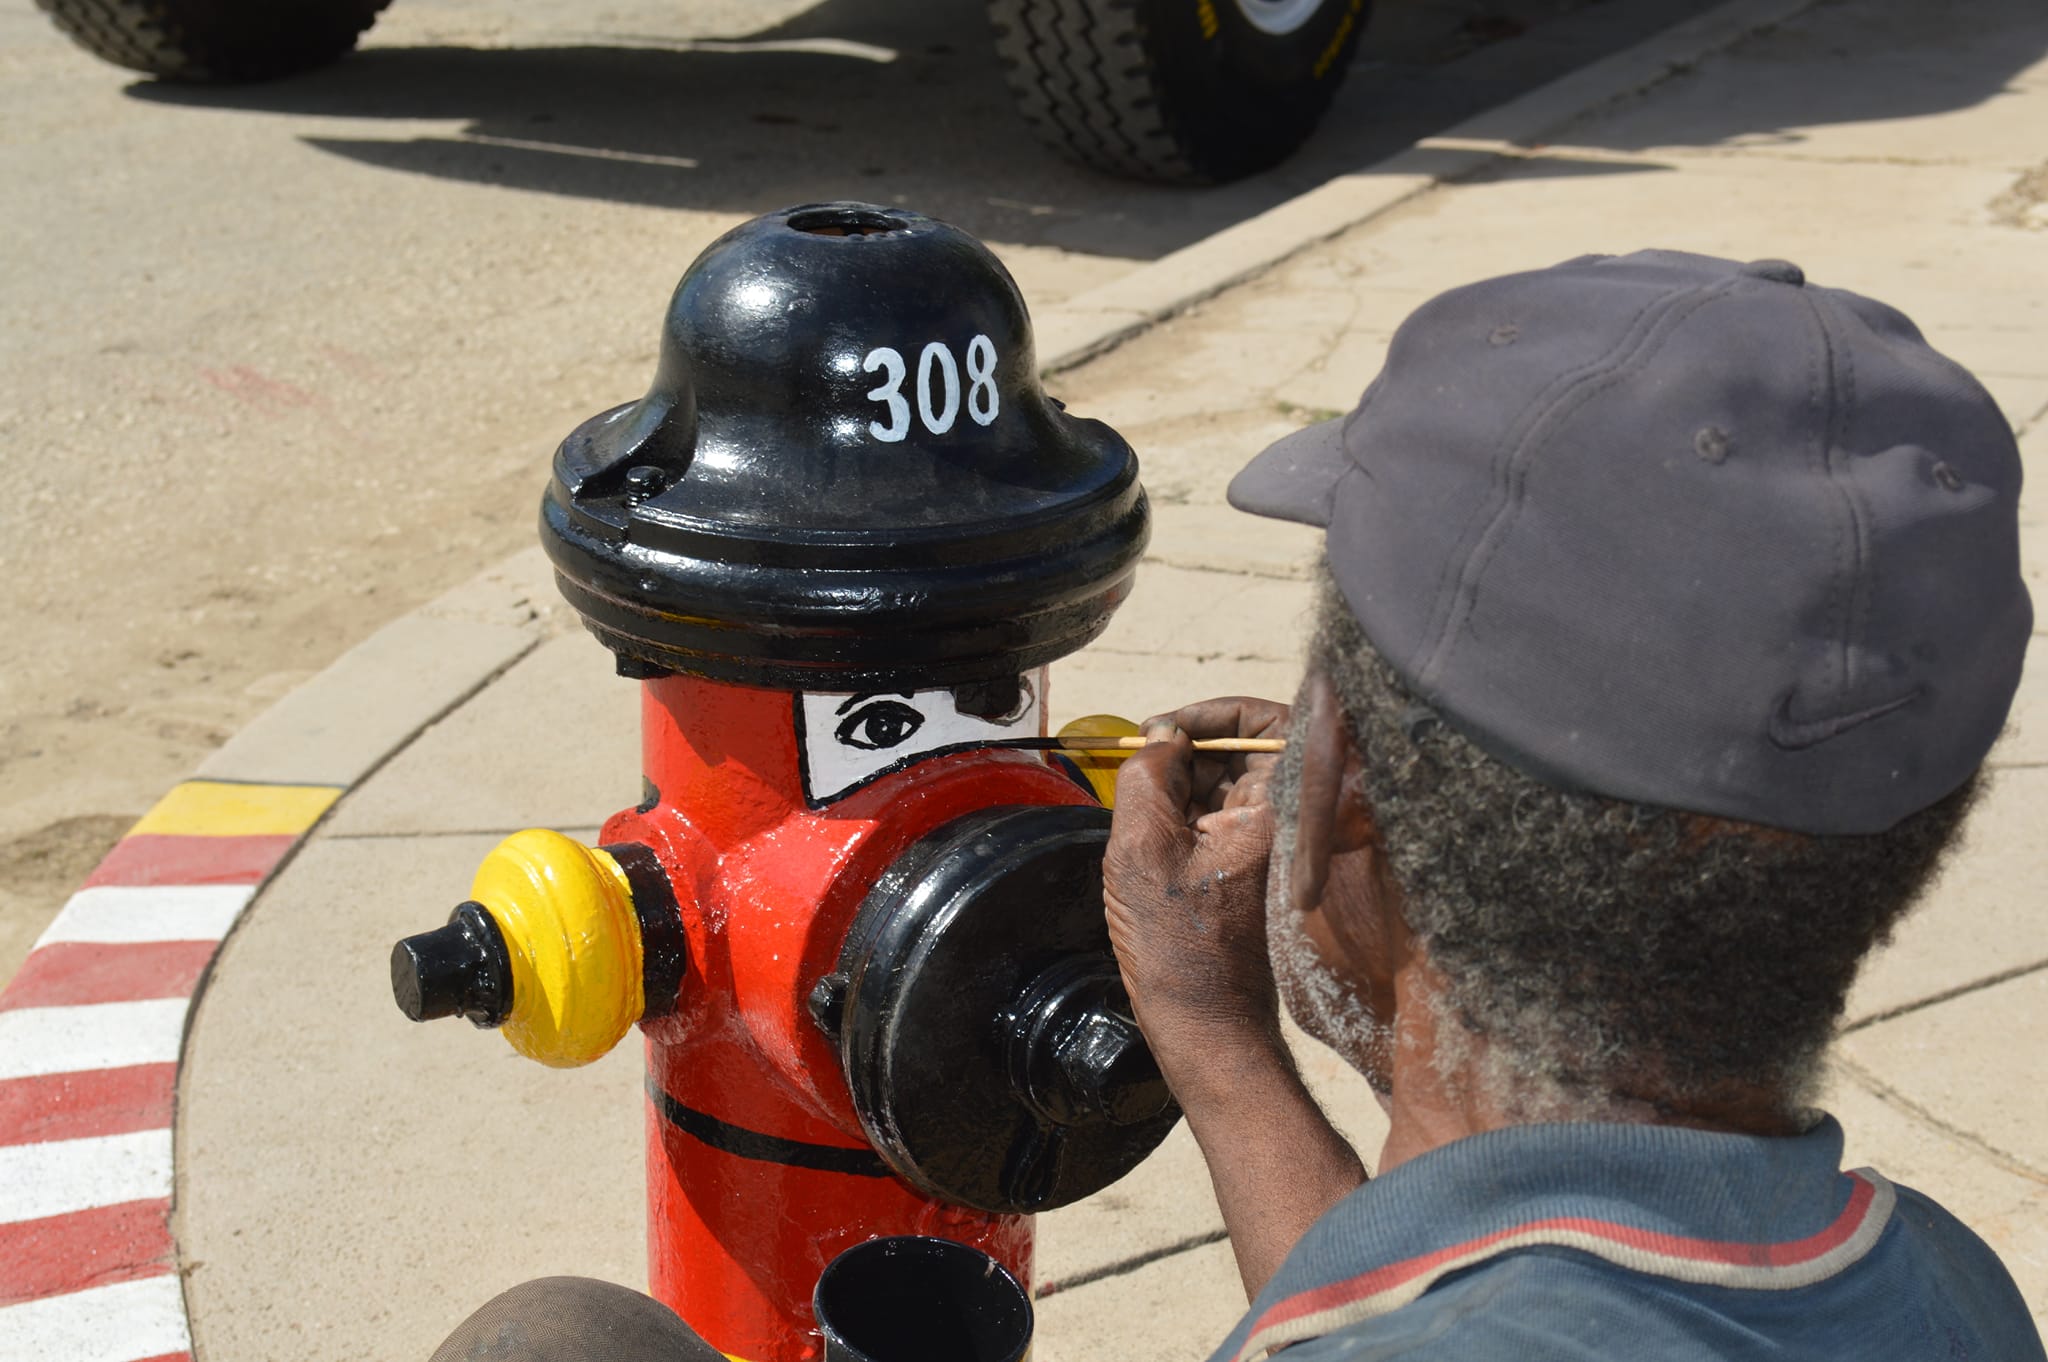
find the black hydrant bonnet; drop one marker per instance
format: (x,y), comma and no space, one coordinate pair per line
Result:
(846,475)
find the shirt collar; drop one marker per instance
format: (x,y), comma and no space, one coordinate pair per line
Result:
(1698,1206)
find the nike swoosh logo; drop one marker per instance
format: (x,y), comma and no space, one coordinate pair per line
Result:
(1795,734)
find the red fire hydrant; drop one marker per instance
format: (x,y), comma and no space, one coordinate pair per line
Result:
(859,922)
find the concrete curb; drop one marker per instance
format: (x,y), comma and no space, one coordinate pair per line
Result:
(88,1269)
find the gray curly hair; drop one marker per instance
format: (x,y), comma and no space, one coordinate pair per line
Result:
(1611,952)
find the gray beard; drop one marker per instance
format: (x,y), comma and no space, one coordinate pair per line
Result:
(1320,1002)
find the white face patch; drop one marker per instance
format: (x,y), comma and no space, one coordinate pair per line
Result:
(848,740)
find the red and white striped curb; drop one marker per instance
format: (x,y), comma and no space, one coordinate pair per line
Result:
(91,1030)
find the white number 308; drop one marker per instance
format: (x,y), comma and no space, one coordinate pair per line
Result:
(938,388)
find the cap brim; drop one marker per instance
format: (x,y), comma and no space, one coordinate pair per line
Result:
(1296,477)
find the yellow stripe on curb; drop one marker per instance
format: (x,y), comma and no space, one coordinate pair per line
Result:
(213,808)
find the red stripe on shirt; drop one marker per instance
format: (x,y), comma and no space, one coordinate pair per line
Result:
(1787,1254)
(89,1102)
(59,1254)
(160,858)
(71,973)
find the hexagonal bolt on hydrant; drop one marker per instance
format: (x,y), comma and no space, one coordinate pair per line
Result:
(839,541)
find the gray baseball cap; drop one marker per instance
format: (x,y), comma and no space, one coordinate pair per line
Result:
(1682,531)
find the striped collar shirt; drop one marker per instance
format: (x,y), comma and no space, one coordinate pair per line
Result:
(1544,1243)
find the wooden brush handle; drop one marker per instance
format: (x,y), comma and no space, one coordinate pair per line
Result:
(1132,744)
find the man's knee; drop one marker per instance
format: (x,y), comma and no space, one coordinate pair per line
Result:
(574,1319)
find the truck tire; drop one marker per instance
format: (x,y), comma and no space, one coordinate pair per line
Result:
(1185,91)
(215,40)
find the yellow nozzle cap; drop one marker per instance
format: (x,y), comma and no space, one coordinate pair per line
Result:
(1100,767)
(566,912)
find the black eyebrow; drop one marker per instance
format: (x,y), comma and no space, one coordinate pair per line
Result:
(853,700)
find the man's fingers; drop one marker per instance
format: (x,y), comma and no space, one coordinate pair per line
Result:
(1152,789)
(1245,822)
(1249,789)
(1235,839)
(1232,716)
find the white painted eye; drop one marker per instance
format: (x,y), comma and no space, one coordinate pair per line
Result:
(879,724)
(849,740)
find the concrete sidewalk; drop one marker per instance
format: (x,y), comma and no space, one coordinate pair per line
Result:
(349,1185)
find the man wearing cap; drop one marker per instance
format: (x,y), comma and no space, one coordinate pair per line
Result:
(1669,608)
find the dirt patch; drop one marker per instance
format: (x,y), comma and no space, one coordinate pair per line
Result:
(2021,205)
(57,857)
(42,868)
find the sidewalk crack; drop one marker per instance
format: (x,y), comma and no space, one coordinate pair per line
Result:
(1131,1264)
(1269,572)
(1892,1097)
(2023,427)
(1932,999)
(1320,362)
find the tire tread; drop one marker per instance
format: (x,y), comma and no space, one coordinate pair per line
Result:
(1085,86)
(181,40)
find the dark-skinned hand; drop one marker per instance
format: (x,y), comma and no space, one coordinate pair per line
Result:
(1184,881)
(1184,885)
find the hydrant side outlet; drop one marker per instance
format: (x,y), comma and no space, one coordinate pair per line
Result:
(985,1032)
(566,912)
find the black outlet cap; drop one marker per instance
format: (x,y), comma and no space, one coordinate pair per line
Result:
(459,970)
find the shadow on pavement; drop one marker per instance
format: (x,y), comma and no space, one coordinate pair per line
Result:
(1898,62)
(899,100)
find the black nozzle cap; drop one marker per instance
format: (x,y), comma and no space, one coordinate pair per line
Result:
(1111,1070)
(462,969)
(1076,1054)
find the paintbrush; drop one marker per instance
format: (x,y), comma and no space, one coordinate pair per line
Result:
(1078,743)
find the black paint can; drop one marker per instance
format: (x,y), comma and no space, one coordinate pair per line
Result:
(914,1298)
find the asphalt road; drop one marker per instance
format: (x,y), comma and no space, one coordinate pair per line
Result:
(280,362)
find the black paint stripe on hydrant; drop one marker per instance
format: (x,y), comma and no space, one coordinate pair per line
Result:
(752,1144)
